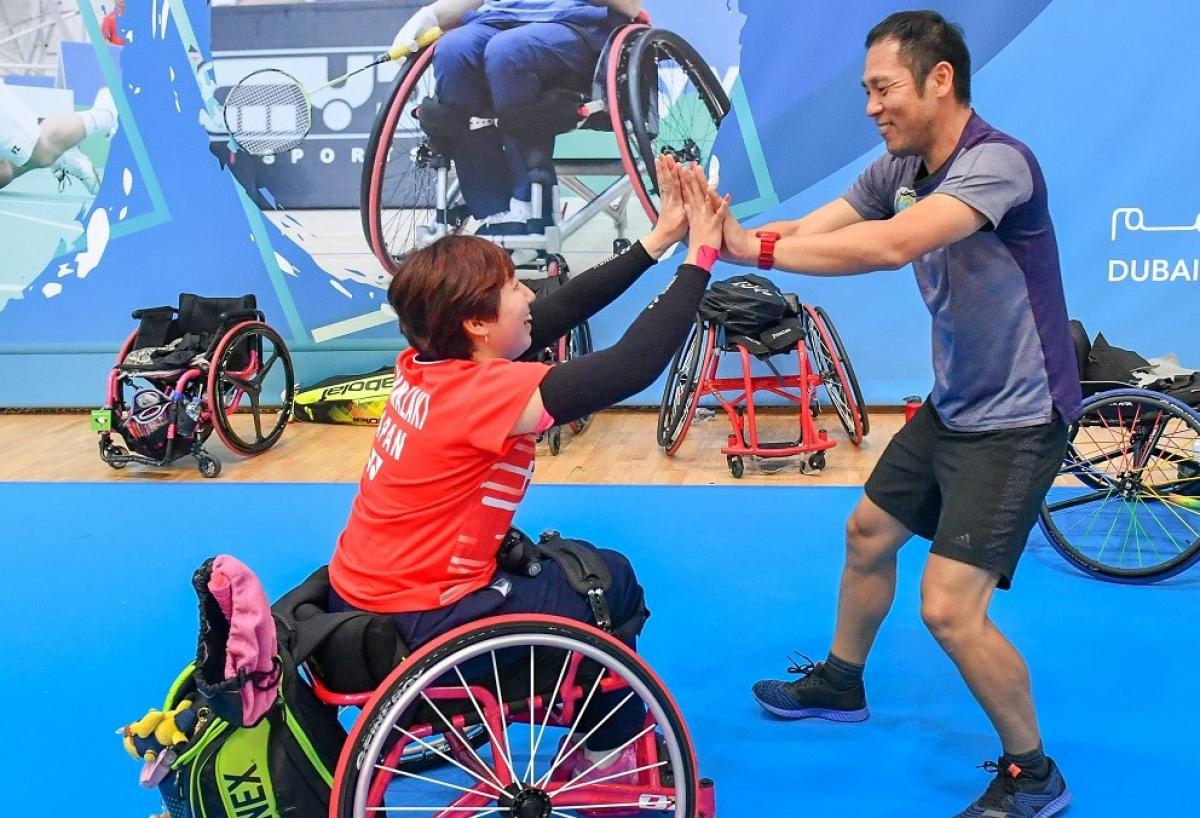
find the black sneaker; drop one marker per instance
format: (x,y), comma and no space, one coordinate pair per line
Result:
(811,696)
(1014,793)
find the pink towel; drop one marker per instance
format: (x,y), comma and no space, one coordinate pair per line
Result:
(252,643)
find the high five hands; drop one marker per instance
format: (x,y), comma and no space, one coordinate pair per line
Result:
(686,203)
(707,212)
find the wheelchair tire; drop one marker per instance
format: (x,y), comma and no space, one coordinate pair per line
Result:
(683,119)
(578,344)
(236,386)
(1135,518)
(399,184)
(366,778)
(681,393)
(832,365)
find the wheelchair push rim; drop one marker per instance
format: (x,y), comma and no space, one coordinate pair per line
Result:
(1126,506)
(247,356)
(653,113)
(509,772)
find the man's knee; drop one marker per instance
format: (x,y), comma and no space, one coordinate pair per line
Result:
(870,540)
(951,618)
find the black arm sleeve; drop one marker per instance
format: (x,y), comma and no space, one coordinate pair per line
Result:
(585,385)
(556,313)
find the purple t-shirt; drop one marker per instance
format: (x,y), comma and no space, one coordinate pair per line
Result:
(1002,351)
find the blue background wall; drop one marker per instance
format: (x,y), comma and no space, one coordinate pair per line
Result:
(1095,94)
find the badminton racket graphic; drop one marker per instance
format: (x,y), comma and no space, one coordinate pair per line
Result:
(270,111)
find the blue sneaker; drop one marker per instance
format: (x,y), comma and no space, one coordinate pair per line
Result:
(1014,793)
(811,696)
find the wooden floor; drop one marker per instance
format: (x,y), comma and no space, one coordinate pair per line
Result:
(619,447)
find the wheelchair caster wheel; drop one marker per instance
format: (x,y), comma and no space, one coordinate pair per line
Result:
(209,466)
(114,456)
(736,467)
(554,440)
(815,464)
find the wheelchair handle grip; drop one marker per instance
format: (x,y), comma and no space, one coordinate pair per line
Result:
(238,315)
(137,315)
(401,52)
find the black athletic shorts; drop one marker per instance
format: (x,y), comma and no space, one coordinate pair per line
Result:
(976,495)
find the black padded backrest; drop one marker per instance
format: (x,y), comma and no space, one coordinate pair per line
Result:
(158,326)
(352,652)
(202,315)
(1083,346)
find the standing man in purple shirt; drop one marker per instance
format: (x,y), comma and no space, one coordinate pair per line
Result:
(966,205)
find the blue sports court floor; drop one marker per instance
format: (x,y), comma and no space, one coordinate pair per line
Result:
(99,616)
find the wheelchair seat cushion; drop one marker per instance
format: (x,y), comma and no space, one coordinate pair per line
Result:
(351,652)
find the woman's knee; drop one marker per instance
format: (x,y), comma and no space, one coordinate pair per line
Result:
(625,595)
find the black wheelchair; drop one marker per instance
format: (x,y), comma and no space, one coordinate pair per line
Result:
(1126,504)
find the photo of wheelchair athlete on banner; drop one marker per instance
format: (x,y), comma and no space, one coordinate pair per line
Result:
(496,59)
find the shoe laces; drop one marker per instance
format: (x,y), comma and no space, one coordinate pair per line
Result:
(64,179)
(802,666)
(1003,786)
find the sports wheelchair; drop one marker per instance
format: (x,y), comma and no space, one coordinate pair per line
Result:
(821,361)
(480,720)
(190,370)
(651,89)
(1126,504)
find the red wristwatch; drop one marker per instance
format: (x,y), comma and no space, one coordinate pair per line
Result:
(766,248)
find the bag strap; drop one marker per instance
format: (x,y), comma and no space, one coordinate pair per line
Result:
(585,571)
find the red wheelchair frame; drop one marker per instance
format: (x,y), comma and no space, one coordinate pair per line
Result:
(693,374)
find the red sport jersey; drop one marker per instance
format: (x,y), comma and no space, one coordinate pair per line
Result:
(440,487)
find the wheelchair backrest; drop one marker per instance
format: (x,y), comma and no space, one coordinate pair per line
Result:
(203,315)
(352,652)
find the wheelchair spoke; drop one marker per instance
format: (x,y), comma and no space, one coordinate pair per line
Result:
(466,742)
(621,806)
(565,748)
(607,757)
(532,682)
(610,776)
(438,752)
(484,720)
(549,705)
(428,780)
(478,811)
(500,699)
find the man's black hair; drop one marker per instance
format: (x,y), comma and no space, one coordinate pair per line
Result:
(926,38)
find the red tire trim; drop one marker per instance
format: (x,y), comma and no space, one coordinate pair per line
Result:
(614,112)
(381,151)
(847,390)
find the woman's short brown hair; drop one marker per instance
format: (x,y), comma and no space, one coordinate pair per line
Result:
(436,289)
